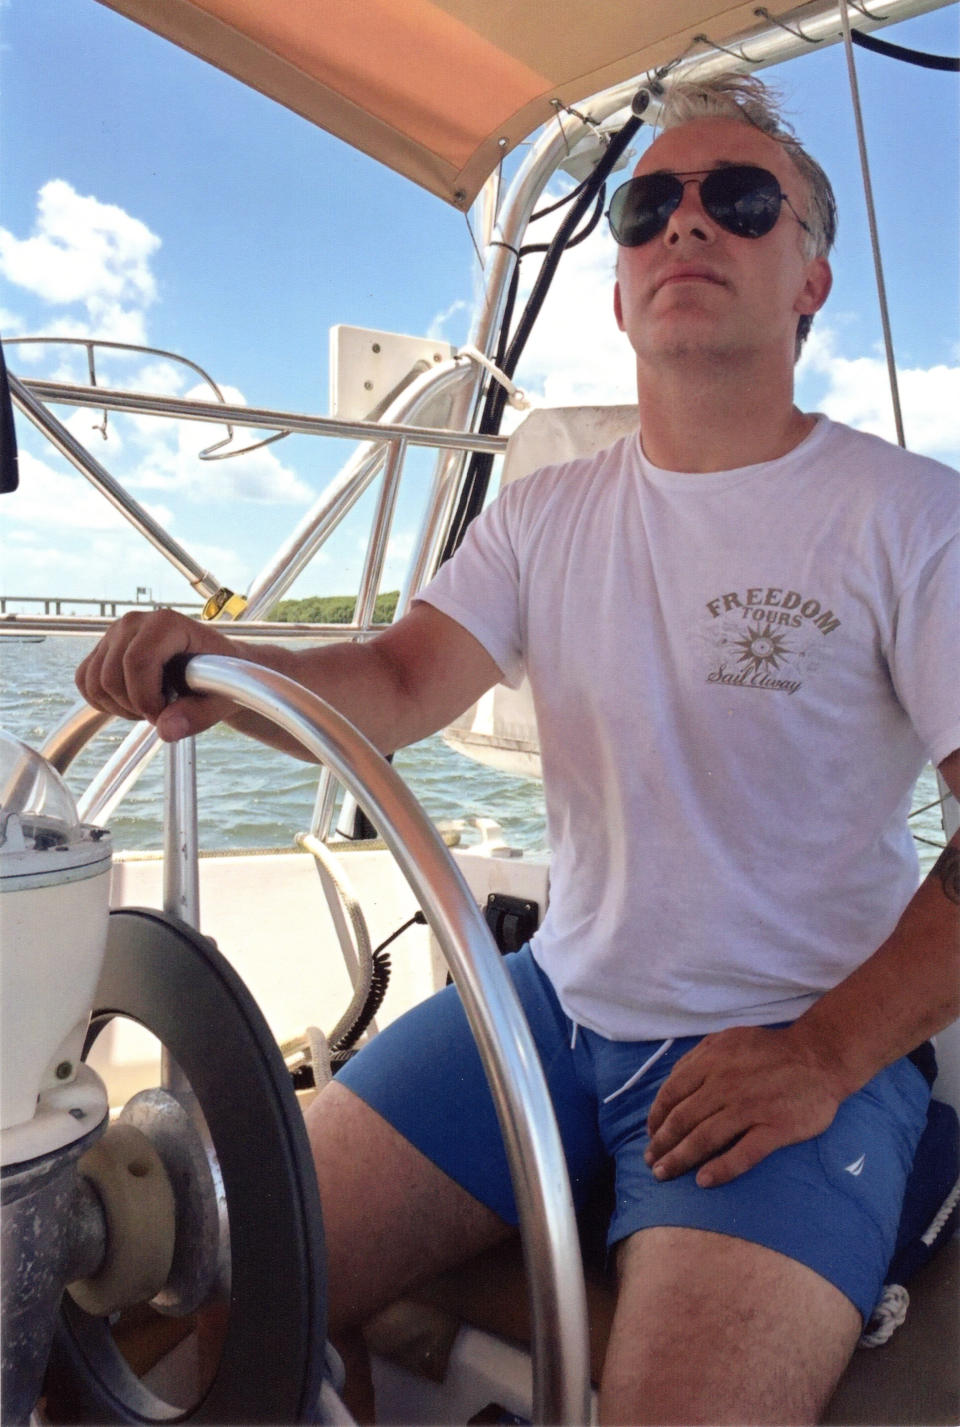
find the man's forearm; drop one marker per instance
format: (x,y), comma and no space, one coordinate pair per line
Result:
(355,678)
(396,688)
(903,994)
(409,681)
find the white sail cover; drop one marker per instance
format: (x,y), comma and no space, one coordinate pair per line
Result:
(500,730)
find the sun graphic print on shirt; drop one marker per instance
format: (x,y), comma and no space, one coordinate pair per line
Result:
(761,650)
(766,637)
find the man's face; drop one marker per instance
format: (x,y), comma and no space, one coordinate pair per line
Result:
(696,288)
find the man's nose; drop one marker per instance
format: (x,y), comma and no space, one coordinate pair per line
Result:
(689,219)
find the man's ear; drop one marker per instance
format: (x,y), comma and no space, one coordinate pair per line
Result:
(816,288)
(617,305)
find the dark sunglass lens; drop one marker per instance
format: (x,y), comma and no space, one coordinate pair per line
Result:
(744,199)
(641,208)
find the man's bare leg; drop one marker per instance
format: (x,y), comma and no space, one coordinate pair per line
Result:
(390,1218)
(710,1329)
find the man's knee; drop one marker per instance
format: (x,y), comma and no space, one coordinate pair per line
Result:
(710,1328)
(391,1217)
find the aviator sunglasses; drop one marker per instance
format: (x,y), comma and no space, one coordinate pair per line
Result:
(742,198)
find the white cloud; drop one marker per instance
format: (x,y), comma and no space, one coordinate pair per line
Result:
(856,390)
(90,263)
(153,453)
(439,329)
(576,353)
(110,565)
(62,536)
(110,321)
(86,425)
(261,478)
(400,545)
(216,558)
(88,252)
(159,376)
(48,498)
(168,460)
(59,361)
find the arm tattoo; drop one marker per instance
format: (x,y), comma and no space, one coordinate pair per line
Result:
(947,868)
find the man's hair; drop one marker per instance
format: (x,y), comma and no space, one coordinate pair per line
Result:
(742,97)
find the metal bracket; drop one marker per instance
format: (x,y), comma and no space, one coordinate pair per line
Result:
(369,368)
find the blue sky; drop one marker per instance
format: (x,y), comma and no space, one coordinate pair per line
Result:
(148,197)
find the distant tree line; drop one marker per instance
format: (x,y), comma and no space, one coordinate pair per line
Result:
(332,609)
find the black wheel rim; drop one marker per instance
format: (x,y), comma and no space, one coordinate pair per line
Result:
(175,982)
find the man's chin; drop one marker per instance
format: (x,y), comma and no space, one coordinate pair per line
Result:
(690,343)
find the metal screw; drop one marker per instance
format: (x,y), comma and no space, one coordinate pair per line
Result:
(376,346)
(64,1070)
(368,386)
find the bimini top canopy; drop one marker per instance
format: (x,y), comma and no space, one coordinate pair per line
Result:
(440,90)
(433,87)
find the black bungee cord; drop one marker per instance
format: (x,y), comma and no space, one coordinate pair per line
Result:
(892,51)
(590,192)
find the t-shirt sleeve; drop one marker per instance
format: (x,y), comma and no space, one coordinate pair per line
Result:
(923,659)
(479,587)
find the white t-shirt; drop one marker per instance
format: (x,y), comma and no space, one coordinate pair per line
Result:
(737,678)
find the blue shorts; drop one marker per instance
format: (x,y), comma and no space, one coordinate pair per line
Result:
(832,1203)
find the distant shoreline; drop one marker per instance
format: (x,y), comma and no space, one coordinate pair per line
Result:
(332,609)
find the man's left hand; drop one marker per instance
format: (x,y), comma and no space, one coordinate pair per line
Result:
(735,1098)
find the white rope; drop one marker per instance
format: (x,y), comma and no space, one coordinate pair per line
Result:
(941,1217)
(515,396)
(887,1317)
(872,220)
(319,1051)
(333,876)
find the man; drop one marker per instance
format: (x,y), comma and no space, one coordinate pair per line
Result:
(738,629)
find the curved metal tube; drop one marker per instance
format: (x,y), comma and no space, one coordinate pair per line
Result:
(72,734)
(561,1374)
(118,774)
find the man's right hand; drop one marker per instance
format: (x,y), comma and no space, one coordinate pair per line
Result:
(396,688)
(123,675)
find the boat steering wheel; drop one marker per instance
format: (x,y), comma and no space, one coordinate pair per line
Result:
(163,974)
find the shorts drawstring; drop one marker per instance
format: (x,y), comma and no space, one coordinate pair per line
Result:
(638,1074)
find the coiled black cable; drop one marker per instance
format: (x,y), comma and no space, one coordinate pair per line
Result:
(379,981)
